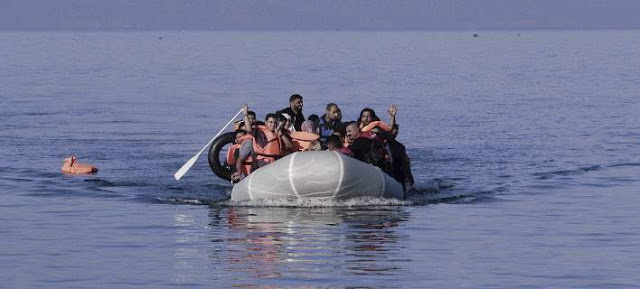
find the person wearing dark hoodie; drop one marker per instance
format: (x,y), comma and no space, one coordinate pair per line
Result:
(295,111)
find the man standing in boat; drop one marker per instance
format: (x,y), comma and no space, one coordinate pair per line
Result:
(295,111)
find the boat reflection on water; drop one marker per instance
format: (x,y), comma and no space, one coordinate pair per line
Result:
(327,245)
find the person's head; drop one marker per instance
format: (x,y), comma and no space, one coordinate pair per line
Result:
(281,119)
(309,126)
(353,131)
(252,119)
(332,112)
(315,118)
(287,120)
(367,115)
(239,133)
(251,115)
(295,103)
(334,142)
(271,121)
(316,122)
(314,146)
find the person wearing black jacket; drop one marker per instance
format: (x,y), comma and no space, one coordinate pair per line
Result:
(295,111)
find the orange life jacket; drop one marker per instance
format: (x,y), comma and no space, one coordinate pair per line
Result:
(375,124)
(270,150)
(71,166)
(231,156)
(301,139)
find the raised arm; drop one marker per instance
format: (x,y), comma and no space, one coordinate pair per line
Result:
(392,112)
(247,125)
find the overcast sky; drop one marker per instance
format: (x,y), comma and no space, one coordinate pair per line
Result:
(316,14)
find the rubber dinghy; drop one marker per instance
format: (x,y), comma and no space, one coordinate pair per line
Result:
(316,174)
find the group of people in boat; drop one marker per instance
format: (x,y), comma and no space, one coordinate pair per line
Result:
(368,139)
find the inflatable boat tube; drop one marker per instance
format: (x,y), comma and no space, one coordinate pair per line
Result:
(316,174)
(215,161)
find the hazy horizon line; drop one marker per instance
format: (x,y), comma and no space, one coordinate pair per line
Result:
(319,29)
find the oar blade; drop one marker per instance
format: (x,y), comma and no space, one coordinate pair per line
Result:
(185,168)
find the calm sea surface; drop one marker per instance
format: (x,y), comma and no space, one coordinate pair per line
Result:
(525,146)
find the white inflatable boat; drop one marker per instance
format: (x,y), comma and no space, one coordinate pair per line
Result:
(317,174)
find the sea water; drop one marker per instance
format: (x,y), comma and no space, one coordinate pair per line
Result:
(525,146)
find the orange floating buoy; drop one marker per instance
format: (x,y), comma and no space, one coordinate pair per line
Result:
(71,166)
(302,139)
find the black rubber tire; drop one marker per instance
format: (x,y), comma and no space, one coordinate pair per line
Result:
(219,167)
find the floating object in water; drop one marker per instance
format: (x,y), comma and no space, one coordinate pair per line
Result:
(215,155)
(317,175)
(71,166)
